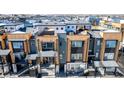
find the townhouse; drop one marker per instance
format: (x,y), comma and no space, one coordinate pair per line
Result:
(4,54)
(19,47)
(116,24)
(51,47)
(105,44)
(73,50)
(47,48)
(119,26)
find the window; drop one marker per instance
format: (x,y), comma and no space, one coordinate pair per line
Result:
(91,46)
(11,28)
(122,29)
(61,28)
(76,51)
(57,28)
(76,43)
(98,42)
(76,57)
(47,46)
(110,49)
(72,26)
(109,56)
(117,28)
(18,46)
(60,43)
(110,44)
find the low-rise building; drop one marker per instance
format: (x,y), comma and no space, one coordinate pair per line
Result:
(12,27)
(77,48)
(19,46)
(104,45)
(52,48)
(57,27)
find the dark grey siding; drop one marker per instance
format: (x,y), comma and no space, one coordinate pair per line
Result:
(32,46)
(62,47)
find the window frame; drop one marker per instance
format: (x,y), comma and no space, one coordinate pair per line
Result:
(18,49)
(62,28)
(77,50)
(45,46)
(110,50)
(76,42)
(76,57)
(57,28)
(68,27)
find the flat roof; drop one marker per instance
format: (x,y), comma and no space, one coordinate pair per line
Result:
(12,24)
(4,52)
(106,64)
(31,57)
(48,53)
(18,32)
(45,33)
(111,30)
(109,64)
(2,24)
(49,24)
(99,28)
(97,64)
(77,23)
(95,34)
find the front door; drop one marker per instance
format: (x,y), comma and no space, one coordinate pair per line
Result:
(62,67)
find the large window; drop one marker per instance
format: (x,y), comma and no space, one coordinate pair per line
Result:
(110,48)
(18,46)
(76,51)
(76,57)
(46,46)
(57,28)
(111,44)
(77,43)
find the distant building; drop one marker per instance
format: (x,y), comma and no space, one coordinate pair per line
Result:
(12,27)
(70,27)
